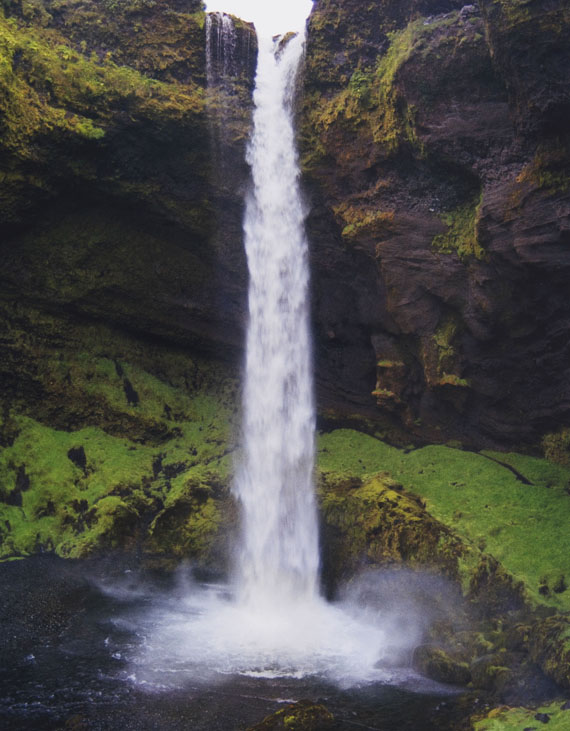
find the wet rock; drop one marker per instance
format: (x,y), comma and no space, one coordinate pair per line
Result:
(438,665)
(549,645)
(130,393)
(302,716)
(412,252)
(491,672)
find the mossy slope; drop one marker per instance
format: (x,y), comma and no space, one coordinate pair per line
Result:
(518,719)
(112,444)
(513,508)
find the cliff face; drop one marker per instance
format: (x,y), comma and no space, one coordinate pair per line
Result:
(435,159)
(435,150)
(109,195)
(122,290)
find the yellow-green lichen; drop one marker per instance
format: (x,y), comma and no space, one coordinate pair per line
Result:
(462,236)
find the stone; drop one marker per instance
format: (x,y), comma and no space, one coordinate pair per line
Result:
(438,665)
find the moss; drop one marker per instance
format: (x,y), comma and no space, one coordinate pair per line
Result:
(105,469)
(301,716)
(58,103)
(450,379)
(49,76)
(438,665)
(550,647)
(441,356)
(514,11)
(370,106)
(360,222)
(462,237)
(522,525)
(517,719)
(549,169)
(143,34)
(75,512)
(556,447)
(375,521)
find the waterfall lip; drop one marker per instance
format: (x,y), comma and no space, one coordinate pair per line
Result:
(269,18)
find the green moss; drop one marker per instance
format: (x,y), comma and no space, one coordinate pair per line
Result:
(515,11)
(550,647)
(444,338)
(111,465)
(46,84)
(301,716)
(438,665)
(361,222)
(522,526)
(390,364)
(461,238)
(517,719)
(549,170)
(75,510)
(556,447)
(369,106)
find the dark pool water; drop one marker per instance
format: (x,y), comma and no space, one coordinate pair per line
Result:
(66,645)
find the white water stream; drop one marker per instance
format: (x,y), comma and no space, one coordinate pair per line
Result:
(279,552)
(272,622)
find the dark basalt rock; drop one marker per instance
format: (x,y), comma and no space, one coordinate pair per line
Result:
(301,716)
(438,169)
(436,664)
(542,717)
(78,457)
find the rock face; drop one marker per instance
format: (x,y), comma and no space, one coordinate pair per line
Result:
(122,291)
(435,158)
(109,196)
(435,151)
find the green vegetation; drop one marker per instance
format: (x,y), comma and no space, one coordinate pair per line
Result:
(374,519)
(42,78)
(361,222)
(518,719)
(549,169)
(60,99)
(557,447)
(76,492)
(483,498)
(461,238)
(109,442)
(515,11)
(370,112)
(300,716)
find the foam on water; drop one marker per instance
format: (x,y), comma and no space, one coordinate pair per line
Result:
(206,635)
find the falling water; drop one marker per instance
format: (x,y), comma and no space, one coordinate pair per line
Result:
(221,45)
(271,622)
(278,557)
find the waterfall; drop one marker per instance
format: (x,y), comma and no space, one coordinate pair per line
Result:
(221,45)
(278,556)
(272,622)
(222,66)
